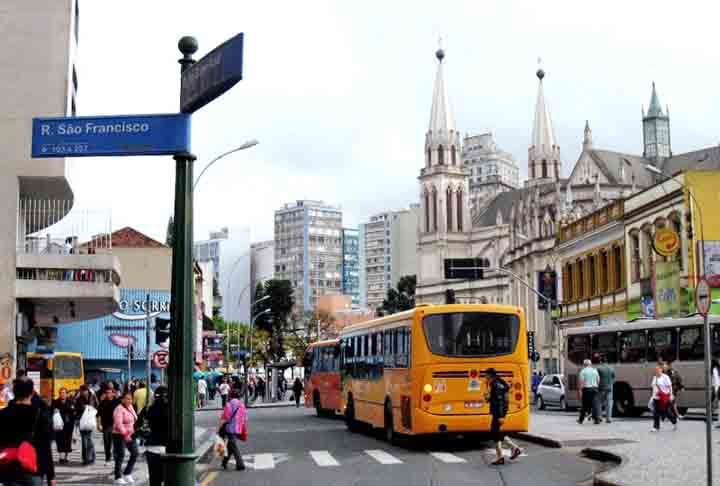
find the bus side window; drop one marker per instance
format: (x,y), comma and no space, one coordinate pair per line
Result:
(308,362)
(691,344)
(633,346)
(662,345)
(578,349)
(605,346)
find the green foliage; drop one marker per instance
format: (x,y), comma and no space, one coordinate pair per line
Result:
(400,299)
(274,323)
(304,331)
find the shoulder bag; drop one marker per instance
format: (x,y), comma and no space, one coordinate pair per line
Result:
(222,432)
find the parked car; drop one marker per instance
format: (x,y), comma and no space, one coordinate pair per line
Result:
(552,391)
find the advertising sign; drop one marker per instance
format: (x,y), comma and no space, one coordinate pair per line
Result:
(666,242)
(667,289)
(712,263)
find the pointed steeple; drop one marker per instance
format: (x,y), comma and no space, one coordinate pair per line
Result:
(543,134)
(654,109)
(544,151)
(587,139)
(441,115)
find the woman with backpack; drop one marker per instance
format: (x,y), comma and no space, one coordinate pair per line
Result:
(63,405)
(233,426)
(662,398)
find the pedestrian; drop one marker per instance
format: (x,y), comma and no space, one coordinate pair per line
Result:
(297,391)
(224,392)
(498,400)
(677,386)
(715,387)
(535,383)
(154,383)
(234,422)
(260,389)
(588,382)
(605,387)
(124,418)
(28,421)
(202,390)
(108,402)
(662,397)
(83,404)
(140,397)
(63,438)
(158,417)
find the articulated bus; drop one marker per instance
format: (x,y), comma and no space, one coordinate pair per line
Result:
(322,377)
(633,349)
(57,370)
(422,371)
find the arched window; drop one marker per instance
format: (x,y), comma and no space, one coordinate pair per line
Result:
(557,173)
(427,210)
(434,209)
(448,202)
(459,208)
(429,158)
(441,155)
(532,171)
(452,155)
(544,169)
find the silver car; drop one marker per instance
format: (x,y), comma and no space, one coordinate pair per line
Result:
(551,391)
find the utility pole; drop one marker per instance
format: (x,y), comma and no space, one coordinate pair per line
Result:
(180,457)
(129,353)
(147,351)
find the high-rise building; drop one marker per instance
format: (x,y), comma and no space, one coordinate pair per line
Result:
(491,170)
(229,251)
(351,265)
(262,263)
(388,251)
(39,276)
(308,250)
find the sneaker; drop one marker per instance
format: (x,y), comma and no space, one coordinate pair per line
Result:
(515,453)
(129,479)
(120,481)
(109,464)
(498,462)
(608,421)
(654,430)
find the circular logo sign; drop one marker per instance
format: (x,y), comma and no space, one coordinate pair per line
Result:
(160,359)
(666,242)
(702,297)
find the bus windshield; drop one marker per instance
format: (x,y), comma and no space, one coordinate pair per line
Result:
(471,333)
(67,367)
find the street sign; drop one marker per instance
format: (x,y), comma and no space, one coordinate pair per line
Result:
(465,268)
(702,297)
(212,75)
(160,359)
(96,136)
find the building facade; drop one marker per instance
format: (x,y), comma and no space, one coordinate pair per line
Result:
(351,265)
(491,170)
(308,250)
(388,251)
(262,266)
(229,251)
(42,282)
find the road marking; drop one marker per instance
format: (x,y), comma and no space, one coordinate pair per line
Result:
(447,457)
(264,461)
(323,458)
(383,457)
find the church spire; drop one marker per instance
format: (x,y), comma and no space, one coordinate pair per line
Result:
(441,116)
(587,138)
(544,151)
(654,109)
(656,131)
(543,134)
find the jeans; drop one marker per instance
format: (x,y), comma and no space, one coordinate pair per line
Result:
(155,468)
(224,400)
(659,412)
(88,448)
(589,404)
(119,446)
(108,443)
(234,450)
(606,400)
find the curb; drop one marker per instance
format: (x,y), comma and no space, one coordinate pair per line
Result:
(605,457)
(538,439)
(264,405)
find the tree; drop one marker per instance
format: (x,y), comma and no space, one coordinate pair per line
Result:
(400,299)
(280,304)
(304,331)
(170,235)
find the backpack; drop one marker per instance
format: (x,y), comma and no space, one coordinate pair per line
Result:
(24,456)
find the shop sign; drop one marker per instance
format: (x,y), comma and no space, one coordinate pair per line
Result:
(667,289)
(160,359)
(712,263)
(666,242)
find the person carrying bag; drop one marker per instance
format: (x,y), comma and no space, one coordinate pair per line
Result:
(233,426)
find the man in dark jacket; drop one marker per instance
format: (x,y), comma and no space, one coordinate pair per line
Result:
(106,407)
(497,398)
(158,416)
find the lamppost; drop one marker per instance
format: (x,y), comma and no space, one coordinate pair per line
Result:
(246,145)
(252,326)
(706,326)
(250,334)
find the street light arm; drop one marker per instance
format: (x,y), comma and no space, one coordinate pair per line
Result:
(244,146)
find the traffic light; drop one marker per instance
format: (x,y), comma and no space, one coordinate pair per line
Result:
(465,268)
(450,296)
(162,330)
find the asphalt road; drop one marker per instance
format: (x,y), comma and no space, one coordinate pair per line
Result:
(290,446)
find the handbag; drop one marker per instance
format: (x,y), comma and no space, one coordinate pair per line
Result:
(25,455)
(244,432)
(87,420)
(57,421)
(222,432)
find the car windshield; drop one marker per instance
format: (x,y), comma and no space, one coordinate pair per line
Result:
(471,333)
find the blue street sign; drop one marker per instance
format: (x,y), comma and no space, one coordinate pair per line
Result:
(212,75)
(92,136)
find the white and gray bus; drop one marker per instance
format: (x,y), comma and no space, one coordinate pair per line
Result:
(633,349)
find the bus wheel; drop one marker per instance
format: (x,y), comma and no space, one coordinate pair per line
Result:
(390,435)
(350,421)
(624,404)
(318,408)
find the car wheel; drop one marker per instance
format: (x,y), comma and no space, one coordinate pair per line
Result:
(563,404)
(318,406)
(540,403)
(350,422)
(624,404)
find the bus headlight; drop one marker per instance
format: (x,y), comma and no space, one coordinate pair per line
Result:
(427,388)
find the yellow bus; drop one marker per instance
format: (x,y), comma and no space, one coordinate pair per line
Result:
(57,370)
(422,371)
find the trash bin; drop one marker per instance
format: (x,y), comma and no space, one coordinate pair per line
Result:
(156,471)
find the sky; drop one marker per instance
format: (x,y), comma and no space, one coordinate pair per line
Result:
(338,94)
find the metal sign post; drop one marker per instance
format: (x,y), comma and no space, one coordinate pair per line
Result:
(703,301)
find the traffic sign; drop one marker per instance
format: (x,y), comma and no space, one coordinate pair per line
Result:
(212,75)
(702,297)
(160,359)
(93,136)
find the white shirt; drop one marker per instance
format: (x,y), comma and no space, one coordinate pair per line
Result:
(715,378)
(202,387)
(224,389)
(661,383)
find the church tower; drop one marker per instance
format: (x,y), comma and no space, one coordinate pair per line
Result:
(656,131)
(445,222)
(544,152)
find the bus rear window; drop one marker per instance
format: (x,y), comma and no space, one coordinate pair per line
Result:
(67,367)
(471,333)
(39,364)
(578,348)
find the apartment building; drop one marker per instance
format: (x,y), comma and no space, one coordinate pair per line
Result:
(308,250)
(491,169)
(351,265)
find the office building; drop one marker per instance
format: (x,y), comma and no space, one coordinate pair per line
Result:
(262,262)
(308,250)
(351,265)
(490,170)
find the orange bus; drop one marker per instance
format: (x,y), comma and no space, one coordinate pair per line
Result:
(322,377)
(422,371)
(57,370)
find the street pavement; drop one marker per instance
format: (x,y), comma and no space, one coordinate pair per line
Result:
(667,458)
(291,446)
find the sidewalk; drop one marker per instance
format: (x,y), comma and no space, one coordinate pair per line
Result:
(216,404)
(98,473)
(665,458)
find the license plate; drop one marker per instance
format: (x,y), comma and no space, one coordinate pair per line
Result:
(473,404)
(474,385)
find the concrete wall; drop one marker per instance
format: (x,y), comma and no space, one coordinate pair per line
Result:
(145,268)
(403,241)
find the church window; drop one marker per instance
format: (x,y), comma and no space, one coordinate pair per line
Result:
(429,158)
(557,171)
(441,155)
(434,209)
(544,169)
(427,212)
(532,171)
(618,268)
(459,209)
(452,155)
(448,202)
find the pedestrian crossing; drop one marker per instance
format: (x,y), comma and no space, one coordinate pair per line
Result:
(326,459)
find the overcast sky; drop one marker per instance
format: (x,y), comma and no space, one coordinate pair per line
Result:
(338,93)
